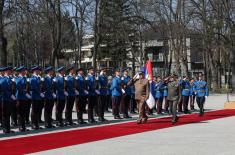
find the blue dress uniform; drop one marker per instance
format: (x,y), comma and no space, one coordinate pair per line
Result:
(180,104)
(116,96)
(82,97)
(7,100)
(92,100)
(35,91)
(185,92)
(192,95)
(60,96)
(1,78)
(21,92)
(201,91)
(159,95)
(103,89)
(70,88)
(48,89)
(132,101)
(126,97)
(165,94)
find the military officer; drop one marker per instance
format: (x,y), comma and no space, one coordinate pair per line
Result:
(103,89)
(116,94)
(185,87)
(159,94)
(8,99)
(49,96)
(173,97)
(22,96)
(61,95)
(70,87)
(37,96)
(126,97)
(141,94)
(1,78)
(92,94)
(81,101)
(201,91)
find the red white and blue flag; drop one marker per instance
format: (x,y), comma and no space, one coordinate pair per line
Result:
(149,75)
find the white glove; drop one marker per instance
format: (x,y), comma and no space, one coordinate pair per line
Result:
(206,96)
(97,92)
(54,95)
(13,97)
(86,92)
(97,78)
(66,93)
(28,96)
(42,79)
(122,78)
(66,78)
(42,95)
(123,91)
(76,92)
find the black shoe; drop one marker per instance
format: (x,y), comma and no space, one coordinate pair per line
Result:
(127,116)
(81,122)
(8,131)
(117,117)
(35,128)
(27,122)
(91,121)
(23,130)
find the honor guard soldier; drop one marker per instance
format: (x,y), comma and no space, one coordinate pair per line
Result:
(50,96)
(141,94)
(37,97)
(70,87)
(1,78)
(201,91)
(81,101)
(103,89)
(14,120)
(174,94)
(61,95)
(92,94)
(22,96)
(165,94)
(116,89)
(126,97)
(159,94)
(8,99)
(192,94)
(186,88)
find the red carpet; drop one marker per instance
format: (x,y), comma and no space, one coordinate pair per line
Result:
(57,140)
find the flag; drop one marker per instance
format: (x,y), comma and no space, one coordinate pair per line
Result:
(149,75)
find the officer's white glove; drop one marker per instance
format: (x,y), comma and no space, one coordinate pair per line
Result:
(54,80)
(42,95)
(122,78)
(13,97)
(97,78)
(123,91)
(54,95)
(76,92)
(86,92)
(66,78)
(28,79)
(66,93)
(28,96)
(97,92)
(42,79)
(206,96)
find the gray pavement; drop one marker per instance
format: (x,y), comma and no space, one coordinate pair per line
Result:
(210,137)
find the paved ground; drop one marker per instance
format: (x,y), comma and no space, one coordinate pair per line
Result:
(211,137)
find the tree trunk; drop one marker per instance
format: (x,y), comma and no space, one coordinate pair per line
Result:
(3,40)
